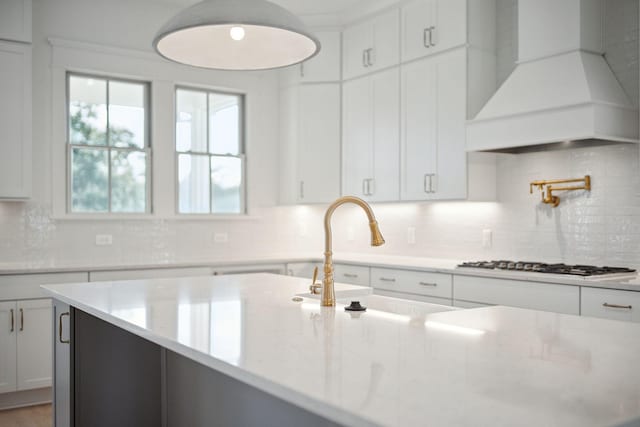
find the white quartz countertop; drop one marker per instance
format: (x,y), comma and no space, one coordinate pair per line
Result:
(400,364)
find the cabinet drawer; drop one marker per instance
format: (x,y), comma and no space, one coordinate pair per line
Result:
(350,274)
(413,282)
(516,293)
(611,304)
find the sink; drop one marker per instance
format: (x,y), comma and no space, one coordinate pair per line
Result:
(378,305)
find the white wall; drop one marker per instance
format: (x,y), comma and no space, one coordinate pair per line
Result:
(28,231)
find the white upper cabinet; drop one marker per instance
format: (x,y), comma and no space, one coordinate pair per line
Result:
(371,123)
(318,147)
(15,120)
(433,157)
(371,45)
(310,143)
(15,20)
(324,67)
(430,26)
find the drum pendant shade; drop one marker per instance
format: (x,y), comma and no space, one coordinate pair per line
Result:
(236,35)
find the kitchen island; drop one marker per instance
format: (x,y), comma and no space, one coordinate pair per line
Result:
(241,350)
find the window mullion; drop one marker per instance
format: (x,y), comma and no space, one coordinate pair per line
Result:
(209,153)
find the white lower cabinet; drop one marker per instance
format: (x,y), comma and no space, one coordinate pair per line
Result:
(610,304)
(8,345)
(515,293)
(25,361)
(350,274)
(411,284)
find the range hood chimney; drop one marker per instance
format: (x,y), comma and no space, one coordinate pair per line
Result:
(562,91)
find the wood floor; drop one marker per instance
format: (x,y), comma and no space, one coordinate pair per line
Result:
(32,416)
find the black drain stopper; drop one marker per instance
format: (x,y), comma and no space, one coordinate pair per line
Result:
(355,306)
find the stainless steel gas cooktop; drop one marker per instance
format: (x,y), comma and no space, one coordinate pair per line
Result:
(585,271)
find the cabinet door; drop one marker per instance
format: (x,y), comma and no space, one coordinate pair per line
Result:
(8,328)
(450,26)
(356,40)
(351,274)
(386,40)
(288,128)
(417,20)
(318,143)
(451,178)
(304,269)
(15,20)
(357,137)
(15,120)
(324,67)
(430,26)
(34,344)
(386,136)
(418,149)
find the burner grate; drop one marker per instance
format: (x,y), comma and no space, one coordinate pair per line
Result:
(539,267)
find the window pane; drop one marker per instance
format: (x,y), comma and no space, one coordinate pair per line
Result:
(89,176)
(87,110)
(191,121)
(226,177)
(224,124)
(193,176)
(126,114)
(128,181)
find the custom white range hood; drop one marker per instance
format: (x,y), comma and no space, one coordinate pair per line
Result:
(562,92)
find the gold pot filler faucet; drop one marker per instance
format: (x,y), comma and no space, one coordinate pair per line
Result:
(328,296)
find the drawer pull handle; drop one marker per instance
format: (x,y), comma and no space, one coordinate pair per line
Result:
(428,284)
(626,307)
(60,328)
(350,275)
(13,321)
(386,279)
(21,320)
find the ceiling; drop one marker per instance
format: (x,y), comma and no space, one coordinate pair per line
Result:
(337,8)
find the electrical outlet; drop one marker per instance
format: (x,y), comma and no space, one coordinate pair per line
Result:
(221,237)
(104,239)
(411,235)
(487,238)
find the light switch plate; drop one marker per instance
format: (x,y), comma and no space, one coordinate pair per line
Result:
(221,237)
(487,238)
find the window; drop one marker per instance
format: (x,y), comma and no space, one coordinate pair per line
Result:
(210,152)
(108,139)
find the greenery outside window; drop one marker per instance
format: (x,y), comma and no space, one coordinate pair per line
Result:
(210,152)
(108,144)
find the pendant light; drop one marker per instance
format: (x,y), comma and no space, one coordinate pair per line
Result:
(236,35)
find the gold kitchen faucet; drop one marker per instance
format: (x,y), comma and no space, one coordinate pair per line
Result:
(328,297)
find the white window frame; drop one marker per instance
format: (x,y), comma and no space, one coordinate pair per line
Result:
(108,148)
(241,155)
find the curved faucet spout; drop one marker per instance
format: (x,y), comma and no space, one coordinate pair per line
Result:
(328,293)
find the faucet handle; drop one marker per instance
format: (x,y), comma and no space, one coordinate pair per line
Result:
(315,288)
